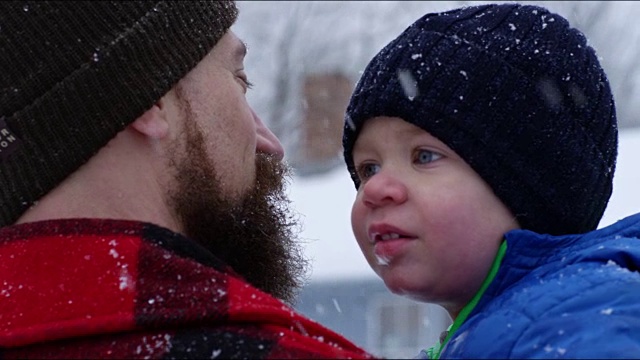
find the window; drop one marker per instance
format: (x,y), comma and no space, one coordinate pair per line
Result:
(400,328)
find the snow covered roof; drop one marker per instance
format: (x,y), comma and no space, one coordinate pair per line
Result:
(324,203)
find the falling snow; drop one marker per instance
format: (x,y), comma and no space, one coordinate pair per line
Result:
(126,281)
(607,311)
(335,303)
(408,83)
(350,123)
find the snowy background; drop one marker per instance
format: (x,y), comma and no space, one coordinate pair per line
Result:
(287,40)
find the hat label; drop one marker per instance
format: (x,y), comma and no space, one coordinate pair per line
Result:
(8,141)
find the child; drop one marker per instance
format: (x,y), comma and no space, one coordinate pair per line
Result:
(482,142)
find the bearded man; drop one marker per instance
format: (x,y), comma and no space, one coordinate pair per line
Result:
(142,204)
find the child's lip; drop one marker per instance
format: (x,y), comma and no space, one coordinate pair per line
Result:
(382,232)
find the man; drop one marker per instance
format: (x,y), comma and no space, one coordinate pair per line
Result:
(141,196)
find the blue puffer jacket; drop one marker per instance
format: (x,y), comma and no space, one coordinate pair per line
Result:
(575,296)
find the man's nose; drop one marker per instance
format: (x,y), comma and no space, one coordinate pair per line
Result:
(267,142)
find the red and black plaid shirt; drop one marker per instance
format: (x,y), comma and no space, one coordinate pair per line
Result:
(93,288)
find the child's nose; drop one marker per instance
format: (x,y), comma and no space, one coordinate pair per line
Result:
(384,188)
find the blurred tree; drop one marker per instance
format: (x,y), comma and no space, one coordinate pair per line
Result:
(613,31)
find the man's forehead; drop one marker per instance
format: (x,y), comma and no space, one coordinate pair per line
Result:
(230,49)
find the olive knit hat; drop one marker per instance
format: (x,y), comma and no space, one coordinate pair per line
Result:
(517,93)
(74,74)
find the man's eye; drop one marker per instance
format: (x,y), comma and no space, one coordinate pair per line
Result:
(423,156)
(243,77)
(367,170)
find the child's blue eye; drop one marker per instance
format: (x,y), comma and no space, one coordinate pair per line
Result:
(425,156)
(367,170)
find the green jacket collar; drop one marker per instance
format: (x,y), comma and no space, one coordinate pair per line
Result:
(434,351)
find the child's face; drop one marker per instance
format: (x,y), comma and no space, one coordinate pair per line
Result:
(426,222)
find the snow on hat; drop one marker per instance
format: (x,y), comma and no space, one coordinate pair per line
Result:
(75,74)
(517,93)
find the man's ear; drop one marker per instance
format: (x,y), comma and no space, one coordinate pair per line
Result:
(153,123)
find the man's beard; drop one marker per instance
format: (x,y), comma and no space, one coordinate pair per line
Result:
(254,234)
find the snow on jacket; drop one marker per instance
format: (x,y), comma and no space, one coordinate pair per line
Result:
(88,288)
(574,296)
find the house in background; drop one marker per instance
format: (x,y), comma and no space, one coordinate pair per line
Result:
(305,58)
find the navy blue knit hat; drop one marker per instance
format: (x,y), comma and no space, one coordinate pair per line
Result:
(517,93)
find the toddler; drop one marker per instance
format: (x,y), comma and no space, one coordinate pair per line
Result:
(482,142)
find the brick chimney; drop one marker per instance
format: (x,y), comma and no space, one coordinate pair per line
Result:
(326,97)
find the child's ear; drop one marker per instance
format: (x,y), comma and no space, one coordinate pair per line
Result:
(153,123)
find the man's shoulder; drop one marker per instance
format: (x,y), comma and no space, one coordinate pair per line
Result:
(70,227)
(116,289)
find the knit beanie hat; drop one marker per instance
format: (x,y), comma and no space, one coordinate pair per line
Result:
(74,74)
(517,93)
